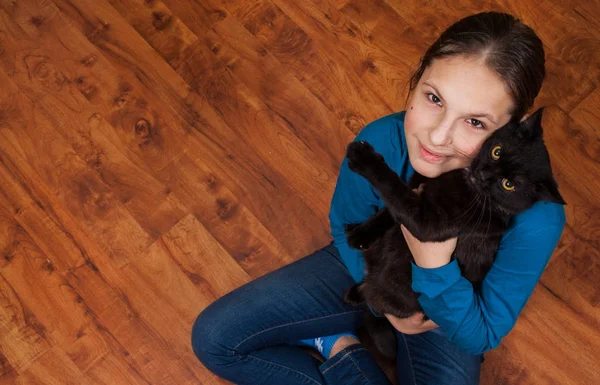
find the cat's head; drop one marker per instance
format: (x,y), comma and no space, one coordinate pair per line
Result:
(513,167)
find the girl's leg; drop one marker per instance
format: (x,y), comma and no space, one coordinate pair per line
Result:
(245,336)
(429,358)
(353,366)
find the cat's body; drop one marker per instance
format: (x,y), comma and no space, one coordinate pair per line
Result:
(458,213)
(474,204)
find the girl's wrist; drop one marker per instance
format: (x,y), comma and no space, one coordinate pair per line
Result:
(432,261)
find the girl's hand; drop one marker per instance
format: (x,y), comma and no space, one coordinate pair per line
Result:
(411,325)
(429,254)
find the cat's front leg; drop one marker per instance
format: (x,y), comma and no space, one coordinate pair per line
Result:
(361,236)
(399,198)
(363,160)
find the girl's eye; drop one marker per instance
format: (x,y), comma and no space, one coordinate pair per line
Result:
(508,185)
(476,123)
(433,99)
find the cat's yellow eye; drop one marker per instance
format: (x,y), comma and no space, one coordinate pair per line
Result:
(508,185)
(496,152)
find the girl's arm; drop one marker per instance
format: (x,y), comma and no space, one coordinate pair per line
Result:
(477,320)
(354,199)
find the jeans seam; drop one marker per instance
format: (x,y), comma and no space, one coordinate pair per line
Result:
(338,260)
(342,358)
(412,369)
(360,370)
(284,367)
(293,323)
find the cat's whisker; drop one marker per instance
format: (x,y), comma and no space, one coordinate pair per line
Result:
(470,206)
(479,218)
(489,221)
(482,213)
(468,221)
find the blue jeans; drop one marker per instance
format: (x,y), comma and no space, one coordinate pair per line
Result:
(246,336)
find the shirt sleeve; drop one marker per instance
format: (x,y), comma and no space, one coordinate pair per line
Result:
(476,320)
(354,199)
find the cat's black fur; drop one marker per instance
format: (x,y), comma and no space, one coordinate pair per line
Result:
(470,204)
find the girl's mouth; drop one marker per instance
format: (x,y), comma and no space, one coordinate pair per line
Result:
(430,156)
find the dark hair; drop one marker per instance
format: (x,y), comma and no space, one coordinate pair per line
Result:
(510,48)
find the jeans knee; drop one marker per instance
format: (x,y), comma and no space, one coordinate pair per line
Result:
(212,340)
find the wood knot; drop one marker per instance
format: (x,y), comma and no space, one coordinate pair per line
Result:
(41,70)
(89,60)
(47,266)
(120,102)
(87,90)
(262,51)
(215,49)
(143,128)
(370,66)
(160,20)
(37,21)
(212,182)
(219,15)
(226,209)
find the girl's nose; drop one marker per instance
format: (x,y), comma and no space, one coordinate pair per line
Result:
(441,135)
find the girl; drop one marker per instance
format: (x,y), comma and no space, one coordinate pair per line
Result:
(482,72)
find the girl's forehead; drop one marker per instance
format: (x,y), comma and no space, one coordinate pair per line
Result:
(469,86)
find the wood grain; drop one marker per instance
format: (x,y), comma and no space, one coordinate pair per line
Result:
(155,155)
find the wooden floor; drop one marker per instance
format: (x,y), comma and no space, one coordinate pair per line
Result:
(155,155)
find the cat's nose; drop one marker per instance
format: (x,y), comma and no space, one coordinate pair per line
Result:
(484,175)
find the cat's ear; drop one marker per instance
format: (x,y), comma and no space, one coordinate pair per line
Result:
(547,190)
(531,126)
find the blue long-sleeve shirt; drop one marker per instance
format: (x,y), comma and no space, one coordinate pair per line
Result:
(474,320)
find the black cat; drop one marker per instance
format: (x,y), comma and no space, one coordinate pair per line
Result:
(511,172)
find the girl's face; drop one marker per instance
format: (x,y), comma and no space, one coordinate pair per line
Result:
(455,106)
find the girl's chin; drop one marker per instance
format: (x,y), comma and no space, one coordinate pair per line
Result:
(427,169)
(430,172)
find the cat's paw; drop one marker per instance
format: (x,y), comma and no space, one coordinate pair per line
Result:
(358,239)
(349,228)
(362,157)
(353,296)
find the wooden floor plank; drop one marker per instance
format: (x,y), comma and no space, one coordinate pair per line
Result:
(52,368)
(255,125)
(546,317)
(347,43)
(342,92)
(163,31)
(50,160)
(42,307)
(21,335)
(229,221)
(200,126)
(189,243)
